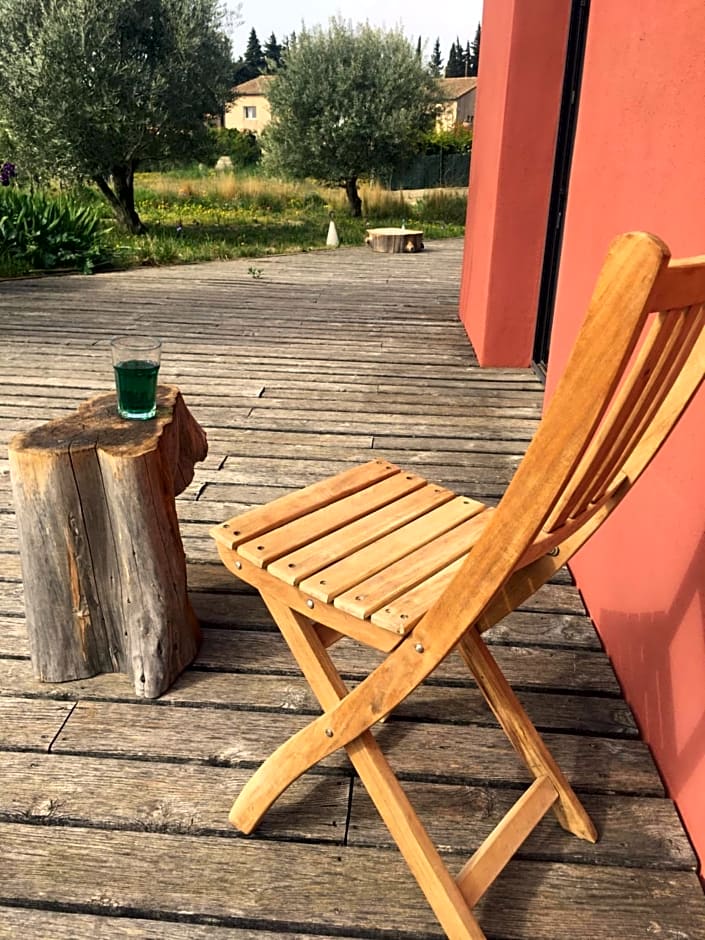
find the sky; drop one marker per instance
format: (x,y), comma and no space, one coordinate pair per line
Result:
(444,19)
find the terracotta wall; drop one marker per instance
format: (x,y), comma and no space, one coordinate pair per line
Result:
(520,82)
(638,164)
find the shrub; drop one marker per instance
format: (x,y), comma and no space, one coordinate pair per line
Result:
(241,146)
(42,231)
(438,204)
(456,139)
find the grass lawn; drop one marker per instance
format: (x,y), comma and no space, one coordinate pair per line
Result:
(220,216)
(204,216)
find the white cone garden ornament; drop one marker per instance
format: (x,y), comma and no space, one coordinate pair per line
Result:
(332,241)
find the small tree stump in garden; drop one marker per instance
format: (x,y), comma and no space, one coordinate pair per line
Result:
(393,240)
(102,559)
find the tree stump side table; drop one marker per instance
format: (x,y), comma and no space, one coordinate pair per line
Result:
(102,559)
(395,240)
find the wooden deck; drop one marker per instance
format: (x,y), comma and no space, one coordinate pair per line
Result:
(113,811)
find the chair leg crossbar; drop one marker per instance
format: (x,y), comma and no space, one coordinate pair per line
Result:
(451,899)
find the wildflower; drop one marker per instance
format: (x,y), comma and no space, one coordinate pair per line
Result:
(8,171)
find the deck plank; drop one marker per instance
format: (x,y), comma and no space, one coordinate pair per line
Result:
(229,882)
(113,810)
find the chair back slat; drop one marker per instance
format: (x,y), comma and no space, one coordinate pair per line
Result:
(685,386)
(665,350)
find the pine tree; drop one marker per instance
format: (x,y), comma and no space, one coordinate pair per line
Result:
(436,61)
(272,54)
(254,56)
(419,51)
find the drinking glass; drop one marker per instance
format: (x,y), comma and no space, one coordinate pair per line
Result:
(136,364)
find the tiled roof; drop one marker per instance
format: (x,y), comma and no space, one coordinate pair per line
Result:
(255,86)
(453,88)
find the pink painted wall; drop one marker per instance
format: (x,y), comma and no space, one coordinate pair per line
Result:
(638,164)
(519,91)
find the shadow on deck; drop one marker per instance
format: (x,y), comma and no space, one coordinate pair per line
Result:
(113,810)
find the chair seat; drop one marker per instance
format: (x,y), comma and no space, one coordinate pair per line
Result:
(376,542)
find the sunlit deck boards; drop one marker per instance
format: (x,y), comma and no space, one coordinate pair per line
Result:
(113,812)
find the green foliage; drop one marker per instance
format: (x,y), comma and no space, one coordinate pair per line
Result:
(473,52)
(210,216)
(253,53)
(456,139)
(252,63)
(349,104)
(100,85)
(435,63)
(464,62)
(241,146)
(437,204)
(461,61)
(39,231)
(272,54)
(455,66)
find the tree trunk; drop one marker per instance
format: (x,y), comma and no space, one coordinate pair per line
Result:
(354,200)
(121,197)
(102,560)
(391,240)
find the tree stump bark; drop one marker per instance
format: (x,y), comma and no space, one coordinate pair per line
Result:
(395,240)
(102,559)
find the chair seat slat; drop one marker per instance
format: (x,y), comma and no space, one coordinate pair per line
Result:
(388,584)
(249,524)
(406,611)
(320,553)
(277,541)
(345,574)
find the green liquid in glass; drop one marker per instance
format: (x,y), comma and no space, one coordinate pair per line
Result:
(136,383)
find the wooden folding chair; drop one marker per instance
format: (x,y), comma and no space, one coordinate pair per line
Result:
(395,562)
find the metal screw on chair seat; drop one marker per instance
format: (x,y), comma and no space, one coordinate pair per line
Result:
(419,648)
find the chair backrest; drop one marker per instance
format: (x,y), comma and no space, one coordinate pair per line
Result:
(637,361)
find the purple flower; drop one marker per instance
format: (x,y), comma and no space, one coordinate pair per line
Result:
(8,171)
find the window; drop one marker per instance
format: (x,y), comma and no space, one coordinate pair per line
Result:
(250,112)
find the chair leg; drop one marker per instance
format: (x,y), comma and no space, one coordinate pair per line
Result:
(523,736)
(421,855)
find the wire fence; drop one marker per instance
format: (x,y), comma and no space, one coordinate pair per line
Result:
(432,170)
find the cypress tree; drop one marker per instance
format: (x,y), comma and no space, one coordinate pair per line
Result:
(436,61)
(475,61)
(467,59)
(455,67)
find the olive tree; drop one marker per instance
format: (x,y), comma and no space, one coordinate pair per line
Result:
(93,88)
(350,103)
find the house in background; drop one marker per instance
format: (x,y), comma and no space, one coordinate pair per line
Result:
(579,138)
(457,104)
(250,110)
